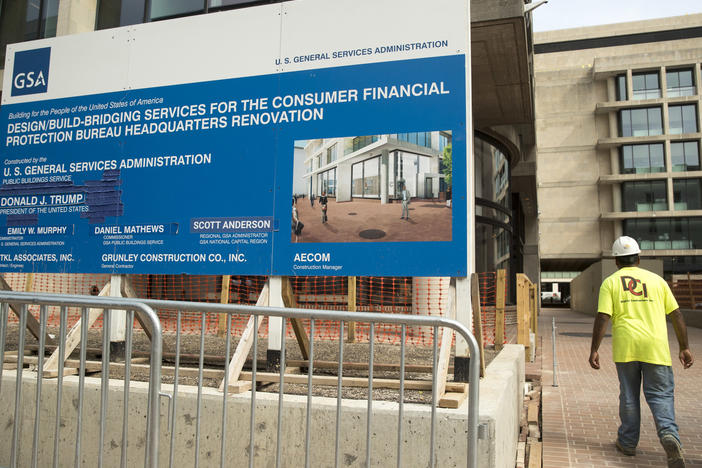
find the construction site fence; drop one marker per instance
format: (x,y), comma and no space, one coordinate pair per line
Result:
(399,295)
(102,429)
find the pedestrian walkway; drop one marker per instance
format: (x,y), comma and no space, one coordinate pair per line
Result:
(580,416)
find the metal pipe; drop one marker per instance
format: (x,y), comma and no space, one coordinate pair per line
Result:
(225,393)
(127,381)
(340,373)
(555,358)
(81,383)
(281,397)
(18,387)
(369,411)
(310,371)
(104,381)
(403,336)
(40,377)
(432,433)
(201,366)
(59,385)
(175,388)
(252,417)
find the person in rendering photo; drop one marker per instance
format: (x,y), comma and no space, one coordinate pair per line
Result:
(405,197)
(296,223)
(312,200)
(323,203)
(637,302)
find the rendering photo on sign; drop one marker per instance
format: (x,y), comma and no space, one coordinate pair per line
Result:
(392,187)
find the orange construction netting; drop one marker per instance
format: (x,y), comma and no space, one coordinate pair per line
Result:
(403,295)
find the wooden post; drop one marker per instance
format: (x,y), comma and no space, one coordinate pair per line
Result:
(223,299)
(352,308)
(32,323)
(298,328)
(73,336)
(128,291)
(477,319)
(29,282)
(247,338)
(500,310)
(523,313)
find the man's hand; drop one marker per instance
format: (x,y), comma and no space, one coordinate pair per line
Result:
(595,360)
(686,358)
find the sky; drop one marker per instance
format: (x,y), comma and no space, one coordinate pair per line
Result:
(563,14)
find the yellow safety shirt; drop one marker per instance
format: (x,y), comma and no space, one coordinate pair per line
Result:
(638,301)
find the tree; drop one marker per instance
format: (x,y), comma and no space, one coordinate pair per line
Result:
(447,166)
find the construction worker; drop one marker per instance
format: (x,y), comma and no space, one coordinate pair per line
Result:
(637,301)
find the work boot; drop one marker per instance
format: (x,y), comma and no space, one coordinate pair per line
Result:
(628,451)
(673,451)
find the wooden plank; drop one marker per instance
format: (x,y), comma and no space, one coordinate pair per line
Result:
(9,366)
(73,336)
(129,292)
(534,312)
(52,374)
(500,309)
(533,412)
(299,329)
(446,342)
(90,366)
(246,341)
(523,313)
(453,400)
(331,380)
(224,299)
(32,323)
(477,322)
(240,386)
(535,454)
(351,338)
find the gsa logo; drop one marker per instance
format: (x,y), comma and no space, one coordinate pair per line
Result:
(31,72)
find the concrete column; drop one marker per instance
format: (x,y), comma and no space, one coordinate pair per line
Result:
(664,83)
(76,16)
(629,85)
(275,336)
(384,177)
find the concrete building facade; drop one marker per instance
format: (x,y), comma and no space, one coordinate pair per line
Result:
(618,143)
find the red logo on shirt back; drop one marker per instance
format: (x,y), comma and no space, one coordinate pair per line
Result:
(631,284)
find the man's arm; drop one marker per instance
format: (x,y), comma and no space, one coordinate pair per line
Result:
(685,354)
(598,332)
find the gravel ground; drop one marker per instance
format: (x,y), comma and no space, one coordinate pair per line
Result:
(215,350)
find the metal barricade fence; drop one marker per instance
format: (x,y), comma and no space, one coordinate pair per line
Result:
(42,433)
(313,315)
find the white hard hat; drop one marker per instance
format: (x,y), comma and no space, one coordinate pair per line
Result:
(625,246)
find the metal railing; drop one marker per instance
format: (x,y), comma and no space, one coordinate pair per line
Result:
(20,303)
(373,319)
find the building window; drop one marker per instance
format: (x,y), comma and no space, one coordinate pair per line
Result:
(682,119)
(640,122)
(444,140)
(363,141)
(26,20)
(327,183)
(685,156)
(665,233)
(365,179)
(644,196)
(680,83)
(687,194)
(620,82)
(416,138)
(646,86)
(638,159)
(331,154)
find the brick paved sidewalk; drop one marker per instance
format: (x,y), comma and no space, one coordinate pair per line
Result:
(580,416)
